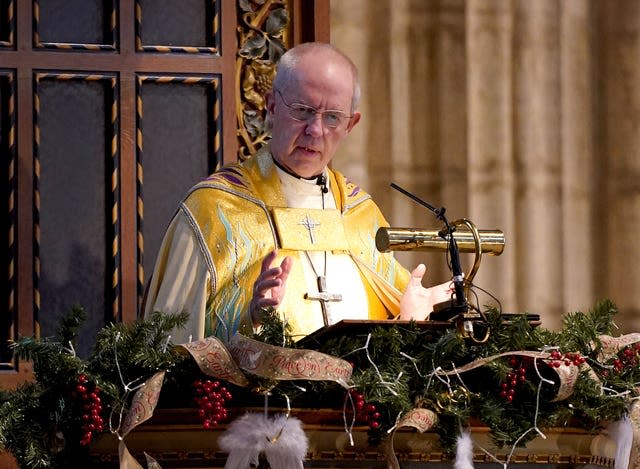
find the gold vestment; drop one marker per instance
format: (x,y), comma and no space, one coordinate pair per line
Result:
(231,215)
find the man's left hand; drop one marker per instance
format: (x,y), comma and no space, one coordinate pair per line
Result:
(417,301)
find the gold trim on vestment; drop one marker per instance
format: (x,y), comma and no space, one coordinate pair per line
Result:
(306,229)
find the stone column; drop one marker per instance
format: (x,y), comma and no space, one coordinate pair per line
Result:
(490,126)
(621,155)
(350,33)
(537,158)
(579,248)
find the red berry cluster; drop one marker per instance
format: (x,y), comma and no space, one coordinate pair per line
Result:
(628,356)
(557,359)
(89,396)
(516,376)
(211,397)
(365,412)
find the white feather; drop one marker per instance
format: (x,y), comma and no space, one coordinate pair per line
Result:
(281,439)
(622,433)
(464,452)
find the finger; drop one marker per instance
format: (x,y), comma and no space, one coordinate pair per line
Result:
(268,260)
(273,272)
(265,285)
(286,265)
(265,303)
(417,274)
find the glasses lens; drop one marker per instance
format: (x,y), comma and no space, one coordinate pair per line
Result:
(332,118)
(301,112)
(304,113)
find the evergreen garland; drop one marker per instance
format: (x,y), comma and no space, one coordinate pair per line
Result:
(41,422)
(476,394)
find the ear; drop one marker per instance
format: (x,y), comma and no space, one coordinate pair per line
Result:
(353,121)
(270,101)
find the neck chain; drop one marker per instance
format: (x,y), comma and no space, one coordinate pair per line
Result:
(323,188)
(323,295)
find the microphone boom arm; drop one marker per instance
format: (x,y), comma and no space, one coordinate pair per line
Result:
(457,309)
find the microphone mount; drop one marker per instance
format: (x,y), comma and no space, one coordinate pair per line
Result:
(459,305)
(321,181)
(457,309)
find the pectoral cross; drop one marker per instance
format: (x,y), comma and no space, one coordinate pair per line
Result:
(310,225)
(324,297)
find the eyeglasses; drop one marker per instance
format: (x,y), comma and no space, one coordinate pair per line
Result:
(303,113)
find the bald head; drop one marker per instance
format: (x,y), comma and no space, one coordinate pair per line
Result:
(292,64)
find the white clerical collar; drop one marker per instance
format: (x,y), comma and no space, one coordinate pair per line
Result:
(304,186)
(305,193)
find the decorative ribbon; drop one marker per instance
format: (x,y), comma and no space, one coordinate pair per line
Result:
(226,363)
(269,361)
(142,406)
(214,359)
(420,419)
(612,345)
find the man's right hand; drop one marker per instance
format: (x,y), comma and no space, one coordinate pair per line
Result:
(269,287)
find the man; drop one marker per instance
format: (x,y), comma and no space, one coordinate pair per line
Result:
(284,230)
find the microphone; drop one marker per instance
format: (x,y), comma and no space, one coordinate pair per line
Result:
(456,269)
(322,182)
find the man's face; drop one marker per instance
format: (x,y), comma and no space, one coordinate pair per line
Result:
(307,147)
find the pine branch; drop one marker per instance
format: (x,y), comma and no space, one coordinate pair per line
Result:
(583,330)
(273,330)
(70,324)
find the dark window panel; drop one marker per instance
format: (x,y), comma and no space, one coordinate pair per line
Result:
(81,22)
(74,217)
(7,23)
(174,156)
(176,24)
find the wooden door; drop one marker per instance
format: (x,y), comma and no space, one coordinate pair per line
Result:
(109,111)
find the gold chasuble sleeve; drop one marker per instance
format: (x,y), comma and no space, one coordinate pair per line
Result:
(384,298)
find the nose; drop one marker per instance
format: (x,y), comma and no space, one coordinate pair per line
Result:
(314,126)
